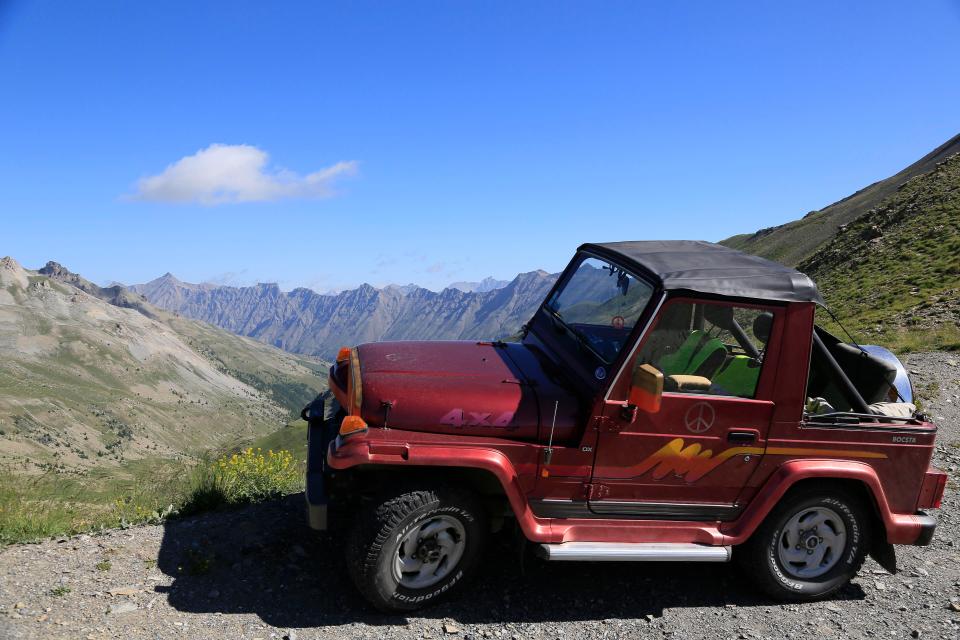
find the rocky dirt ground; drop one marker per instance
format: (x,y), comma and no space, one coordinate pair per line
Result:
(259,573)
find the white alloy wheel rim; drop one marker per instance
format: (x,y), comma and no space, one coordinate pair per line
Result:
(812,542)
(429,552)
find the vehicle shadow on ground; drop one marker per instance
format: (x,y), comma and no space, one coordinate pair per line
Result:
(265,560)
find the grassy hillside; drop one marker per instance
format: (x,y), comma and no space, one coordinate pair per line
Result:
(149,490)
(50,504)
(290,380)
(292,438)
(88,384)
(794,242)
(110,409)
(893,274)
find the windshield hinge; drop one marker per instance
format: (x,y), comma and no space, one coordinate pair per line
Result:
(595,491)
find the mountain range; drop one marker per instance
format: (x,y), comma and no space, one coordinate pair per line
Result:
(303,321)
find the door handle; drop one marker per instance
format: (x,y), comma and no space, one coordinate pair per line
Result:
(742,436)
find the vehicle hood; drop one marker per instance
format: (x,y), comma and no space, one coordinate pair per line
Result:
(472,388)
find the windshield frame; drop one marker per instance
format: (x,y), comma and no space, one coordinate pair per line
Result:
(568,349)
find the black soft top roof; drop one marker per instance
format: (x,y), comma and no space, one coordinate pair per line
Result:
(705,267)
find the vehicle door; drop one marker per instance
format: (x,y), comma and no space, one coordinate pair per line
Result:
(691,459)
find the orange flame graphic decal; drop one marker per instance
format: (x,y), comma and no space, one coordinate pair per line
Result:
(693,462)
(690,463)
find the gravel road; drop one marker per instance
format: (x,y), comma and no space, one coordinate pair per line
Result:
(260,573)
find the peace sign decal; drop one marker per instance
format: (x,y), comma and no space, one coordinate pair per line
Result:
(699,417)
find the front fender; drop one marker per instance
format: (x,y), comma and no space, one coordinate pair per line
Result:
(900,528)
(349,453)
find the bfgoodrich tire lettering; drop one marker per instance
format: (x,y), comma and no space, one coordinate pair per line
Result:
(391,528)
(765,561)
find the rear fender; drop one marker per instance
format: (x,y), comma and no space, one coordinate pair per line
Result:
(898,528)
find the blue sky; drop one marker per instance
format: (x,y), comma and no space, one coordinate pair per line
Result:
(440,141)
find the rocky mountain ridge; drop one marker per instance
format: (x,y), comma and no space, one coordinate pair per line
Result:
(487,284)
(897,266)
(303,321)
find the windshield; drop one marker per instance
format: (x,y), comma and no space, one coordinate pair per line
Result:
(600,303)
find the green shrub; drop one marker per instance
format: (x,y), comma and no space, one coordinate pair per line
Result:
(252,476)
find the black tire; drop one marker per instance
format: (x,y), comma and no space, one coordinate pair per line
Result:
(760,557)
(380,528)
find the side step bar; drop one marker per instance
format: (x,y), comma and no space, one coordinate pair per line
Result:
(634,552)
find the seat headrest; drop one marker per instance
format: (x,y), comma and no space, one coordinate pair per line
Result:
(718,316)
(762,325)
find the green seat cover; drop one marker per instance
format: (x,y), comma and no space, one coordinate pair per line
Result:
(697,349)
(739,377)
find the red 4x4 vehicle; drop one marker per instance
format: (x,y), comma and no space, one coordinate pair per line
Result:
(669,401)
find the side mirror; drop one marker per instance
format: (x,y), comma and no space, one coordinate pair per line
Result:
(646,388)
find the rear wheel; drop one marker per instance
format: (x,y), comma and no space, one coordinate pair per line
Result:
(809,546)
(414,547)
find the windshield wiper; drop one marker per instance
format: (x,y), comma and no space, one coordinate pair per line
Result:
(583,340)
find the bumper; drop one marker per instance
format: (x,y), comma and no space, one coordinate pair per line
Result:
(316,490)
(317,500)
(928,525)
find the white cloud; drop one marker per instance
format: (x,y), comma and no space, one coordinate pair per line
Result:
(229,173)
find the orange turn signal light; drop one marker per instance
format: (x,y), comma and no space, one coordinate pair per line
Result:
(344,354)
(351,425)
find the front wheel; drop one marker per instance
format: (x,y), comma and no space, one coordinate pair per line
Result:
(413,548)
(809,546)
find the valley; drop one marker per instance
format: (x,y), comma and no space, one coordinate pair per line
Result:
(107,404)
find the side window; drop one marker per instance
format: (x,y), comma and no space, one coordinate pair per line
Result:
(708,348)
